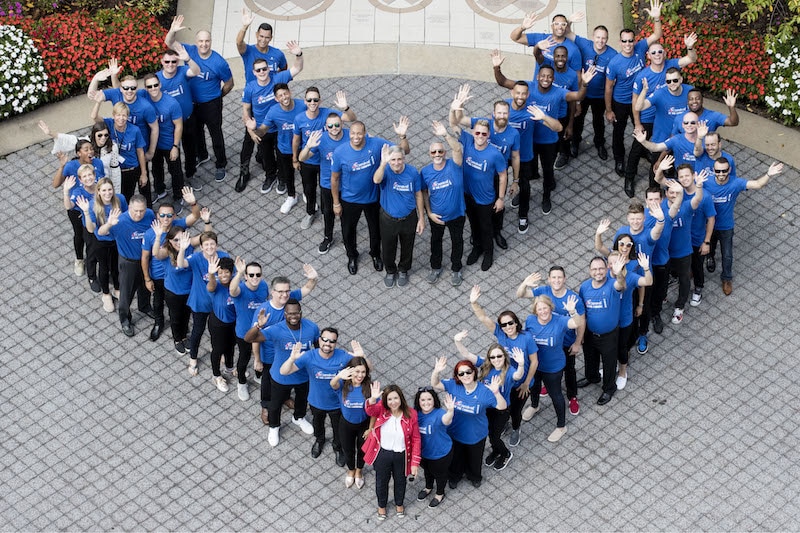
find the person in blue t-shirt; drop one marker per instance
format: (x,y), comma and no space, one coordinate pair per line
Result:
(443,193)
(170,132)
(258,98)
(247,296)
(352,385)
(724,189)
(208,88)
(559,24)
(707,149)
(713,119)
(276,60)
(620,75)
(602,297)
(280,122)
(567,79)
(437,446)
(178,284)
(352,167)
(681,145)
(222,321)
(128,231)
(402,214)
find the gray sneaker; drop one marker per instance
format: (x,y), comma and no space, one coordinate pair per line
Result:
(402,279)
(433,277)
(514,439)
(307,221)
(194,183)
(219,175)
(388,280)
(456,278)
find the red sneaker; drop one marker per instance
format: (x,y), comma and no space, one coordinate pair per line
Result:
(574,408)
(543,392)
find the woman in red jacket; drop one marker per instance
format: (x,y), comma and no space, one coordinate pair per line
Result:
(394,447)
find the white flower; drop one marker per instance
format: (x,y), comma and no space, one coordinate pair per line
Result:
(22,69)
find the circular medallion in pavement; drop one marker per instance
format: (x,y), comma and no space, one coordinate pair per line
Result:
(511,11)
(400,6)
(288,10)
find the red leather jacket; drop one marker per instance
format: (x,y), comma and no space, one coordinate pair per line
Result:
(410,427)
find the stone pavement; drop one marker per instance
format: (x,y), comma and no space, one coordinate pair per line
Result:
(103,432)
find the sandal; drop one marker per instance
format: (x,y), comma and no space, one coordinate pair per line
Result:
(401,513)
(193,368)
(381,516)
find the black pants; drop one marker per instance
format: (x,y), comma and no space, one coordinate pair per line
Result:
(309,175)
(352,438)
(698,272)
(598,106)
(596,348)
(78,243)
(498,216)
(90,263)
(107,265)
(659,292)
(563,144)
(318,421)
(515,407)
(642,322)
(467,459)
(130,283)
(281,393)
(175,173)
(456,229)
(326,205)
(266,149)
(389,465)
(480,223)
(209,114)
(436,470)
(245,353)
(527,169)
(497,422)
(551,380)
(130,181)
(640,152)
(623,113)
(286,173)
(266,386)
(682,267)
(159,297)
(349,219)
(223,341)
(624,344)
(189,143)
(570,377)
(199,321)
(394,230)
(546,153)
(178,314)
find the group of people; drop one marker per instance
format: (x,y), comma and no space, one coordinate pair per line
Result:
(126,248)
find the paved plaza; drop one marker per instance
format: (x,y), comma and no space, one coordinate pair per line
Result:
(103,432)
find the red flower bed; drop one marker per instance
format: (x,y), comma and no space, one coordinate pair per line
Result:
(74,46)
(726,58)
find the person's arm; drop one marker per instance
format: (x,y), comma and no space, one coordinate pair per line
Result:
(663,165)
(227,86)
(514,168)
(699,179)
(183,245)
(183,55)
(174,152)
(85,207)
(314,139)
(297,141)
(449,405)
(455,147)
(552,123)
(297,67)
(145,264)
(702,131)
(456,115)
(177,25)
(213,267)
(499,77)
(401,129)
(617,267)
(647,279)
(675,205)
(530,282)
(578,16)
(337,205)
(705,248)
(641,136)
(438,366)
(343,374)
(247,19)
(602,227)
(518,33)
(93,92)
(774,170)
(58,177)
(153,141)
(494,386)
(458,340)
(524,388)
(500,203)
(733,115)
(576,347)
(312,277)
(608,98)
(254,334)
(691,54)
(340,103)
(112,220)
(142,166)
(235,289)
(474,294)
(420,212)
(519,357)
(583,81)
(575,318)
(288,366)
(641,102)
(655,13)
(658,214)
(69,183)
(197,213)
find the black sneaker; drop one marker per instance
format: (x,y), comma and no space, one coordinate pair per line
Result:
(491,458)
(325,246)
(547,206)
(522,229)
(94,284)
(658,324)
(711,263)
(194,184)
(267,185)
(561,161)
(281,189)
(503,461)
(515,201)
(180,348)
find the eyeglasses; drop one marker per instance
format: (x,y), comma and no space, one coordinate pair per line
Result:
(325,339)
(166,215)
(465,373)
(434,152)
(254,274)
(481,133)
(656,52)
(673,80)
(153,86)
(689,122)
(128,88)
(625,244)
(506,324)
(496,356)
(312,99)
(261,69)
(282,292)
(721,171)
(101,135)
(560,24)
(333,125)
(169,61)
(626,40)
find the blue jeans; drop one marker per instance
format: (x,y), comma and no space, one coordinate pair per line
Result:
(725,238)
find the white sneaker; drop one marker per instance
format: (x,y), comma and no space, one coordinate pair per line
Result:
(697,297)
(108,303)
(621,382)
(244,393)
(78,267)
(274,436)
(677,316)
(304,424)
(556,435)
(220,382)
(307,221)
(529,411)
(288,204)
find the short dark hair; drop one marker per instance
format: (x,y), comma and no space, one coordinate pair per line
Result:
(313,89)
(226,263)
(278,87)
(547,67)
(330,329)
(555,268)
(259,60)
(562,47)
(523,83)
(280,279)
(265,26)
(626,30)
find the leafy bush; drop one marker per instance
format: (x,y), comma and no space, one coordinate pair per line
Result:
(21,71)
(783,85)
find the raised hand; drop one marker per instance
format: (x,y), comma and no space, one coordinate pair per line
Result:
(497,58)
(440,364)
(314,139)
(294,49)
(157,228)
(345,373)
(309,271)
(113,216)
(588,74)
(666,163)
(532,280)
(177,24)
(355,346)
(187,194)
(247,17)
(529,20)
(184,240)
(690,40)
(205,215)
(495,384)
(263,318)
(644,261)
(461,97)
(375,390)
(546,44)
(44,127)
(213,265)
(578,16)
(82,203)
(535,112)
(183,55)
(439,129)
(702,128)
(461,335)
(474,294)
(518,355)
(449,402)
(63,158)
(603,226)
(639,135)
(701,177)
(730,98)
(341,100)
(385,154)
(69,183)
(655,208)
(655,9)
(571,303)
(775,169)
(240,265)
(402,126)
(297,349)
(113,67)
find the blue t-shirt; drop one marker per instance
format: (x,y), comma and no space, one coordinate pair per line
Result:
(356,168)
(602,306)
(129,234)
(523,122)
(506,141)
(701,215)
(178,88)
(524,341)
(266,350)
(436,443)
(655,81)
(352,406)
(660,254)
(199,299)
(320,372)
(214,71)
(573,53)
(626,304)
(262,97)
(281,121)
(445,189)
(622,70)
(550,103)
(140,112)
(123,206)
(550,341)
(680,241)
(667,106)
(72,166)
(283,339)
(399,191)
(128,141)
(597,87)
(222,304)
(480,168)
(158,267)
(276,60)
(167,111)
(470,424)
(643,242)
(724,197)
(714,120)
(325,150)
(179,280)
(558,301)
(506,384)
(682,149)
(305,126)
(706,163)
(246,303)
(79,192)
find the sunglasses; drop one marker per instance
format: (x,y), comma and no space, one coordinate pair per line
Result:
(128,88)
(481,133)
(325,339)
(495,357)
(166,215)
(425,389)
(689,122)
(719,171)
(673,80)
(333,125)
(435,152)
(261,69)
(506,324)
(169,61)
(465,373)
(657,52)
(625,244)
(101,134)
(626,40)
(312,99)
(254,274)
(153,86)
